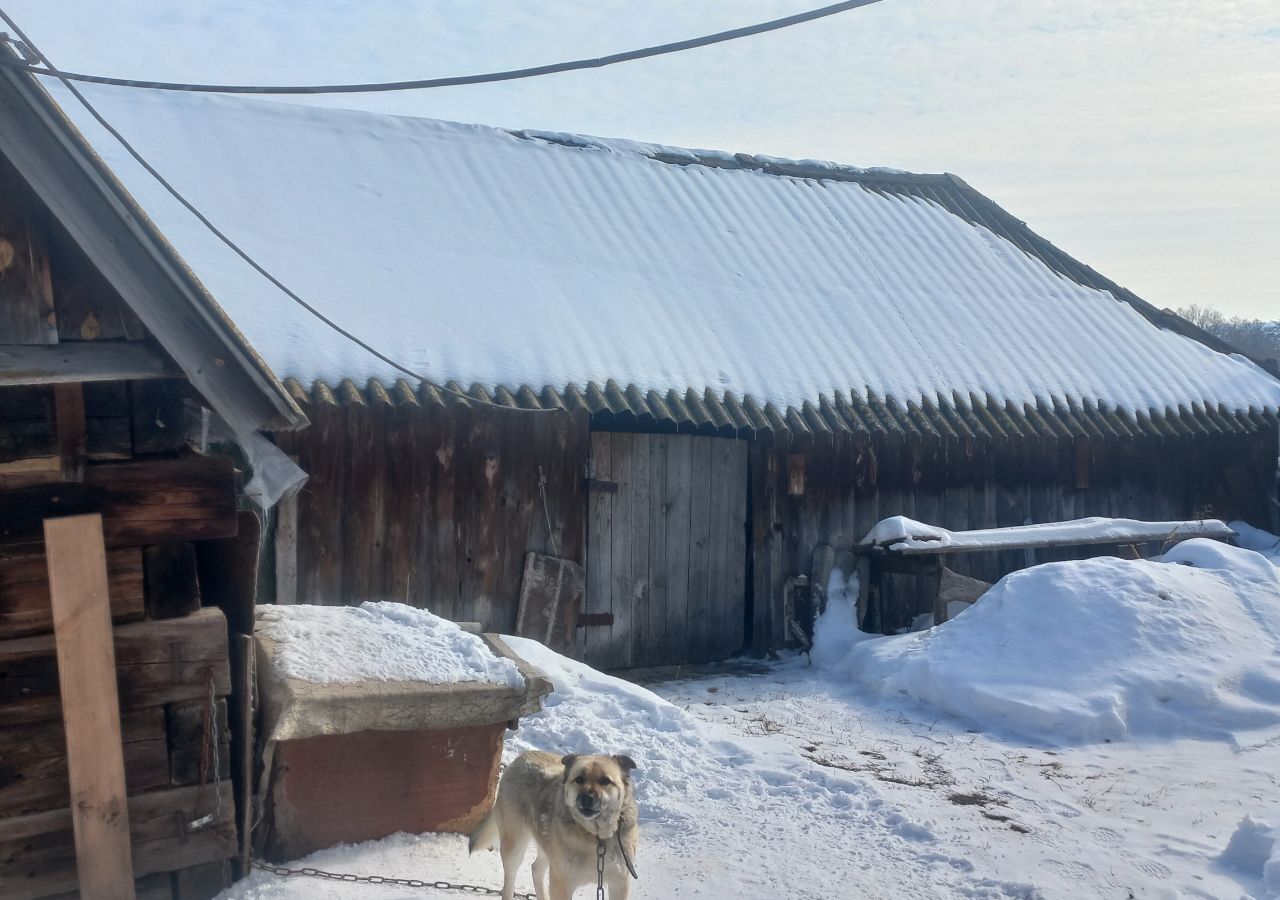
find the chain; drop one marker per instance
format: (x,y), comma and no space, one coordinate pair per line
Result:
(310,872)
(600,848)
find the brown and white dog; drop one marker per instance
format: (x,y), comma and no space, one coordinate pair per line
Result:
(567,805)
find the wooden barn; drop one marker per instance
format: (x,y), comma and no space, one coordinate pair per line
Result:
(683,371)
(122,728)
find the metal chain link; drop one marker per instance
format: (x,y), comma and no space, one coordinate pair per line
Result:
(311,872)
(600,848)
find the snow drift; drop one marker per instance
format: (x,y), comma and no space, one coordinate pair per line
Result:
(1103,649)
(1254,852)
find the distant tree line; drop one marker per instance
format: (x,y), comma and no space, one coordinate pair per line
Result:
(1258,338)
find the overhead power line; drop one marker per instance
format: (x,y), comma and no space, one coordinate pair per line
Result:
(600,62)
(236,248)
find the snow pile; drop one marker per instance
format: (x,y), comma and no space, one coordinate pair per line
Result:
(902,533)
(1103,649)
(835,632)
(378,641)
(1254,852)
(1257,540)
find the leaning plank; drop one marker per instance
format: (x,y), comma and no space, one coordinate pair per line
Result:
(37,853)
(90,705)
(550,596)
(141,503)
(33,761)
(83,361)
(156,663)
(24,591)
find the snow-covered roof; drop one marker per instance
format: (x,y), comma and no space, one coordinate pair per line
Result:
(483,256)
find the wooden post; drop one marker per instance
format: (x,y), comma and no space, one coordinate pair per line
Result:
(72,429)
(287,550)
(90,705)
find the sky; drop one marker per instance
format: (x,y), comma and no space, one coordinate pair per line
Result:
(1141,136)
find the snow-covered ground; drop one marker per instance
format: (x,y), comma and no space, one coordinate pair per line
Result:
(885,768)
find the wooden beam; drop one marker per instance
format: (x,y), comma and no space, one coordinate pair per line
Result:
(33,761)
(24,591)
(37,856)
(90,705)
(141,503)
(83,361)
(156,663)
(68,400)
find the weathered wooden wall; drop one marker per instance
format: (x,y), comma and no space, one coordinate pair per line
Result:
(78,436)
(849,483)
(433,505)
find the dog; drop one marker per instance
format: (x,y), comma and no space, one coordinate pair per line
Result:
(568,805)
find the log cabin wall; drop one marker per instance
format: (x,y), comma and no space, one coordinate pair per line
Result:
(429,500)
(85,441)
(833,490)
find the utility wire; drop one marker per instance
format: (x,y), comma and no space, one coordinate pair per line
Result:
(457,80)
(236,248)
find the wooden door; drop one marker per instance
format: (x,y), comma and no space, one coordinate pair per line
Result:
(666,549)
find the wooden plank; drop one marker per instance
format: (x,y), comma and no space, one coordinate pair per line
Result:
(450,427)
(320,556)
(30,472)
(675,525)
(26,284)
(719,526)
(90,705)
(24,591)
(735,555)
(598,597)
(776,545)
(286,542)
(22,439)
(141,503)
(649,650)
(639,508)
(402,501)
(33,761)
(37,855)
(699,618)
(622,541)
(156,663)
(172,587)
(72,429)
(760,533)
(81,361)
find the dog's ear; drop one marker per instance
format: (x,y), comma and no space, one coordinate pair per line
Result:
(568,763)
(626,764)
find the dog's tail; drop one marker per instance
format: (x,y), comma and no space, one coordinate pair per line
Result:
(485,837)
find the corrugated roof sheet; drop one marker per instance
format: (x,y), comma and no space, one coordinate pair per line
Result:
(804,296)
(724,415)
